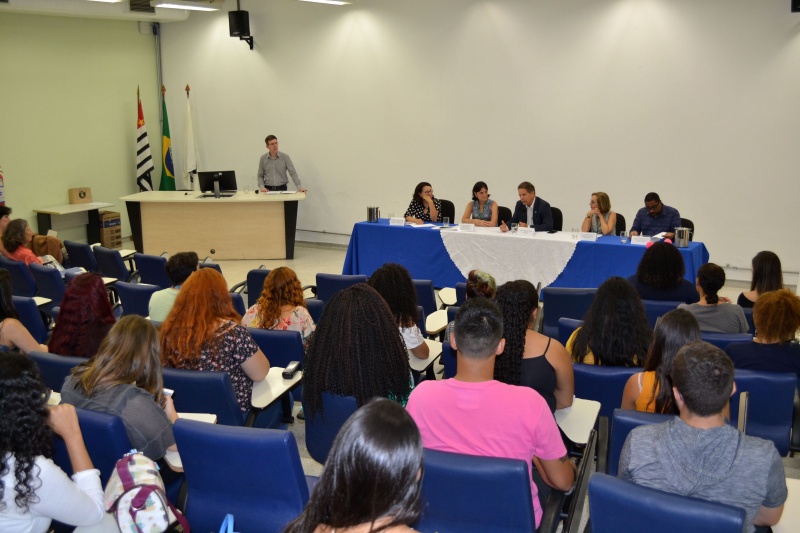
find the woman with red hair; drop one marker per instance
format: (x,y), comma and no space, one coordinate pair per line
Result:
(84,319)
(202,332)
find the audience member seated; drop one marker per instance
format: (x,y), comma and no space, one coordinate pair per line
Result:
(202,332)
(371,480)
(5,218)
(651,390)
(355,351)
(179,267)
(124,379)
(530,358)
(474,414)
(34,489)
(13,334)
(767,276)
(659,275)
(777,319)
(481,211)
(424,207)
(393,283)
(699,454)
(85,317)
(16,239)
(281,305)
(711,313)
(655,218)
(479,283)
(615,330)
(600,218)
(530,211)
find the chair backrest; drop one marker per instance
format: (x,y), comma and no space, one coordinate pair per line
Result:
(200,391)
(603,384)
(452,311)
(461,293)
(262,482)
(566,327)
(315,308)
(421,321)
(111,263)
(152,269)
(770,405)
(81,255)
(280,347)
(624,507)
(449,360)
(49,281)
(622,423)
(135,297)
(558,218)
(686,223)
(106,441)
(22,282)
(426,297)
(238,303)
(469,493)
(322,428)
(563,302)
(329,284)
(748,315)
(255,284)
(215,266)
(621,225)
(655,309)
(55,368)
(503,215)
(448,210)
(31,318)
(722,340)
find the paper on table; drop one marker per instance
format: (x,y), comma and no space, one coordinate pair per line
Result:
(426,225)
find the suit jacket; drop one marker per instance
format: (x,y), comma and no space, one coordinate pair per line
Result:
(542,215)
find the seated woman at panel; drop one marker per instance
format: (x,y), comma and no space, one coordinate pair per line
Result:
(281,305)
(711,313)
(393,283)
(530,358)
(660,275)
(377,452)
(777,319)
(34,489)
(202,332)
(13,334)
(16,239)
(124,379)
(424,207)
(651,390)
(767,276)
(85,317)
(355,351)
(600,218)
(615,331)
(481,211)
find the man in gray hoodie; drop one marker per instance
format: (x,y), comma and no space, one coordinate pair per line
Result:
(698,454)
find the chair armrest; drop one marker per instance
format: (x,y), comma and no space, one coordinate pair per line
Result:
(312,288)
(794,442)
(551,512)
(134,276)
(239,287)
(603,436)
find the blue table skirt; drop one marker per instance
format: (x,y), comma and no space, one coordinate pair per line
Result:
(422,252)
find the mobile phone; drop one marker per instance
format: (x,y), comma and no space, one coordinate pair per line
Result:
(291,369)
(167,392)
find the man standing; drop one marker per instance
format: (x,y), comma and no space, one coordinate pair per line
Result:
(699,454)
(530,210)
(474,414)
(273,168)
(655,218)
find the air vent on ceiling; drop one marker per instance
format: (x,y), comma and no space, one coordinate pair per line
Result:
(141,6)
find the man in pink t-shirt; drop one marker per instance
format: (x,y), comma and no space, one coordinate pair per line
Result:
(476,415)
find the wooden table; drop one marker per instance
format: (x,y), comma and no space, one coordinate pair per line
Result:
(71,215)
(790,520)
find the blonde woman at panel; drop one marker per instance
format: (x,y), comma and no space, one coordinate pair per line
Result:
(600,217)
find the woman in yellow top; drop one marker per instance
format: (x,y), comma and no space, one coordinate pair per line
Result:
(600,218)
(651,390)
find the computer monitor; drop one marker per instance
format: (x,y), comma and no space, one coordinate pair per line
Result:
(226,179)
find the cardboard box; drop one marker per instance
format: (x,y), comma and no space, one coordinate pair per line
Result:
(110,229)
(109,219)
(80,195)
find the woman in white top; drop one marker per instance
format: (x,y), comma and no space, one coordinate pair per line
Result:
(600,218)
(33,489)
(481,211)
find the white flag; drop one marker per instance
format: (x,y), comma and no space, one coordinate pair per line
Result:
(191,160)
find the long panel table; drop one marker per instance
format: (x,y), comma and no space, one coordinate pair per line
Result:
(423,252)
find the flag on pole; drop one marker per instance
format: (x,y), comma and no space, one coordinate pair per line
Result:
(190,154)
(144,159)
(167,167)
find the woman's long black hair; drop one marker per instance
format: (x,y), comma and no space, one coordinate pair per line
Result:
(516,300)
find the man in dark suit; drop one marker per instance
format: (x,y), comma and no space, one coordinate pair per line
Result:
(531,211)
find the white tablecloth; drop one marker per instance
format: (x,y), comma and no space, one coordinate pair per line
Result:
(539,258)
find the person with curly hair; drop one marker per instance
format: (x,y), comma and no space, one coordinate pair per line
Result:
(615,330)
(202,332)
(530,358)
(377,452)
(712,313)
(659,275)
(424,207)
(85,318)
(178,268)
(767,276)
(774,349)
(651,390)
(13,335)
(393,283)
(16,239)
(33,489)
(481,210)
(355,351)
(281,305)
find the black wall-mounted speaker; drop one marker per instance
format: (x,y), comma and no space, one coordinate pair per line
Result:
(795,6)
(239,23)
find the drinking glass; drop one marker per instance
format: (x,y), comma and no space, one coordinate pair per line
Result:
(623,237)
(445,221)
(514,227)
(575,233)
